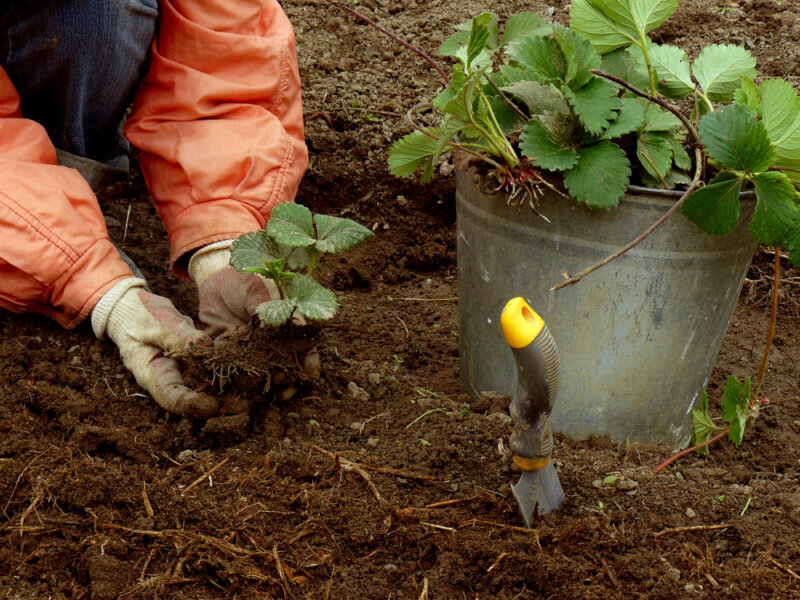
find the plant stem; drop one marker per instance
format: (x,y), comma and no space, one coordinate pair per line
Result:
(576,278)
(675,457)
(686,123)
(505,98)
(651,74)
(772,319)
(388,33)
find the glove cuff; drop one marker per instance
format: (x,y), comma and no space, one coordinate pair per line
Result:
(110,301)
(209,260)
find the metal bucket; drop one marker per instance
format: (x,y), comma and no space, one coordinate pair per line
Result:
(638,338)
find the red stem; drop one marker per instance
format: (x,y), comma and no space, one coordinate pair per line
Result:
(772,319)
(675,457)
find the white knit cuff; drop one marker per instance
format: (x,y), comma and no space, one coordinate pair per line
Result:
(209,260)
(102,310)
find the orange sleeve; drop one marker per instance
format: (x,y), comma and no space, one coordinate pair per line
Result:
(55,256)
(218,120)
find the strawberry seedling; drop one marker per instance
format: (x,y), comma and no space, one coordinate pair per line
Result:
(288,251)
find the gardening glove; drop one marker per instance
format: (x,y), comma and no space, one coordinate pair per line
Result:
(228,298)
(148,329)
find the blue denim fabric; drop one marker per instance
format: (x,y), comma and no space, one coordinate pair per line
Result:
(76,65)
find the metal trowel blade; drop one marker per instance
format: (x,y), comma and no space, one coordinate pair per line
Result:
(538,491)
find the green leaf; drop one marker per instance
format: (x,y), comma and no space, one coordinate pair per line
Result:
(336,234)
(780,109)
(703,428)
(291,225)
(579,54)
(595,104)
(541,56)
(250,251)
(719,68)
(537,98)
(734,138)
(537,145)
(621,64)
(748,95)
(456,81)
(793,243)
(473,43)
(611,24)
(276,312)
(525,24)
(462,105)
(658,119)
(736,407)
(600,177)
(479,36)
(776,208)
(715,207)
(654,153)
(629,118)
(311,299)
(299,257)
(674,178)
(410,151)
(679,155)
(672,68)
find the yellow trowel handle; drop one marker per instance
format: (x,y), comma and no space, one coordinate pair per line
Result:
(538,375)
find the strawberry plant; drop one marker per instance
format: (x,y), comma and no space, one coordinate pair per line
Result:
(288,251)
(603,106)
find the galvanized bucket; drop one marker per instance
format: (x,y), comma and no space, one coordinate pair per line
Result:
(638,338)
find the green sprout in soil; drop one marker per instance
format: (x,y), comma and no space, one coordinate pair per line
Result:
(288,251)
(741,403)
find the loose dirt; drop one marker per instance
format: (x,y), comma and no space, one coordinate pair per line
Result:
(371,475)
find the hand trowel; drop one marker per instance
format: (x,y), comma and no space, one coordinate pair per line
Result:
(538,372)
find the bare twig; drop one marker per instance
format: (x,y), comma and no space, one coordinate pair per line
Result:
(385,470)
(424,594)
(772,319)
(148,508)
(690,529)
(497,561)
(208,473)
(516,528)
(576,278)
(686,122)
(784,568)
(435,526)
(454,299)
(675,457)
(355,468)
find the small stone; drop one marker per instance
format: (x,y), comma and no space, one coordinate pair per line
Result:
(374,378)
(373,441)
(690,513)
(674,574)
(401,201)
(500,417)
(392,568)
(627,484)
(185,455)
(312,364)
(598,483)
(355,425)
(357,392)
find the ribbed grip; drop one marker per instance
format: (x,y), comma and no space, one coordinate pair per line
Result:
(552,364)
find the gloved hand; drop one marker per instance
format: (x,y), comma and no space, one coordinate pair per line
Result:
(148,329)
(228,298)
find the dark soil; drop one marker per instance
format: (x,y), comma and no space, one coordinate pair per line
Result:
(326,483)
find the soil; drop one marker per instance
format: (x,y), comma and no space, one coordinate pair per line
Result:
(369,474)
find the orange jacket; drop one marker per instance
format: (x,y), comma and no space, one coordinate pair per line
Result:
(219,126)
